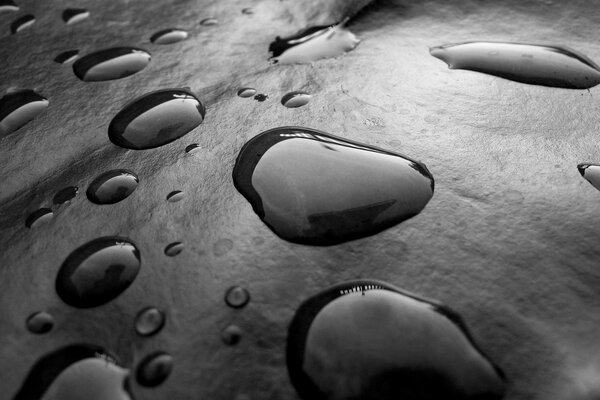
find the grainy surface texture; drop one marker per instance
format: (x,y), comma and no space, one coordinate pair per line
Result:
(509,239)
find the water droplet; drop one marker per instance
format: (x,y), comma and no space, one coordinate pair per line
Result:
(149,321)
(39,217)
(65,195)
(98,271)
(155,119)
(209,21)
(295,99)
(112,186)
(237,297)
(21,23)
(526,63)
(109,64)
(66,56)
(314,188)
(40,322)
(74,15)
(231,335)
(18,108)
(168,36)
(591,173)
(175,196)
(246,92)
(261,97)
(367,339)
(312,44)
(247,11)
(192,148)
(174,249)
(8,5)
(154,369)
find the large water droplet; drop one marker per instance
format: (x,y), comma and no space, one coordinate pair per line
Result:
(237,297)
(112,186)
(149,321)
(313,188)
(21,23)
(154,369)
(65,195)
(231,335)
(591,173)
(175,196)
(246,92)
(66,56)
(40,322)
(527,63)
(74,15)
(8,5)
(18,108)
(155,119)
(369,340)
(174,249)
(39,217)
(295,99)
(98,271)
(168,36)
(209,21)
(109,64)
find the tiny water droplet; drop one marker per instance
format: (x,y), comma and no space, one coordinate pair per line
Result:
(174,249)
(237,297)
(74,15)
(112,186)
(169,36)
(154,369)
(192,148)
(39,217)
(175,196)
(17,108)
(247,11)
(231,335)
(98,272)
(149,321)
(155,119)
(209,21)
(261,97)
(40,322)
(66,56)
(65,195)
(8,5)
(21,23)
(246,92)
(295,99)
(109,64)
(591,173)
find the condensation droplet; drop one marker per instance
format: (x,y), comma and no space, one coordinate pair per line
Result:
(192,148)
(66,56)
(231,335)
(154,369)
(175,196)
(19,107)
(39,217)
(8,5)
(65,195)
(246,92)
(109,64)
(295,99)
(169,36)
(591,173)
(21,23)
(174,249)
(112,186)
(149,321)
(237,297)
(209,21)
(74,15)
(40,322)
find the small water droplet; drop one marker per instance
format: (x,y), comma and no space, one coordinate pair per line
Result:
(149,321)
(154,369)
(65,195)
(246,92)
(39,217)
(237,297)
(591,173)
(40,322)
(247,11)
(175,196)
(314,188)
(21,23)
(66,56)
(19,107)
(98,272)
(209,21)
(295,99)
(155,119)
(8,5)
(112,186)
(169,36)
(109,64)
(174,249)
(231,335)
(261,97)
(192,148)
(74,15)
(553,66)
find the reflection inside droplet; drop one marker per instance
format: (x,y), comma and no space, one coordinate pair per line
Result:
(112,186)
(231,335)
(21,23)
(175,196)
(237,297)
(40,322)
(591,173)
(74,15)
(149,321)
(295,99)
(246,92)
(174,249)
(109,64)
(18,108)
(39,217)
(154,369)
(169,36)
(66,56)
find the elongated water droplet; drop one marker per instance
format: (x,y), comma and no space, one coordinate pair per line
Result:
(295,99)
(39,217)
(40,322)
(246,92)
(231,335)
(209,21)
(65,195)
(75,15)
(174,249)
(155,119)
(98,271)
(175,196)
(18,108)
(112,186)
(8,5)
(154,369)
(591,173)
(369,340)
(192,148)
(554,66)
(109,64)
(168,36)
(312,44)
(66,56)
(21,23)
(247,11)
(313,188)
(149,321)
(237,297)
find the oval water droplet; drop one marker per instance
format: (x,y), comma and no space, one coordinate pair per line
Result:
(66,56)
(39,217)
(247,11)
(65,195)
(314,188)
(109,64)
(231,335)
(18,108)
(192,148)
(112,186)
(155,119)
(8,5)
(175,196)
(168,36)
(295,99)
(237,297)
(591,173)
(149,321)
(21,23)
(74,15)
(154,369)
(246,92)
(209,21)
(174,249)
(98,272)
(40,322)
(261,97)
(553,66)
(369,340)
